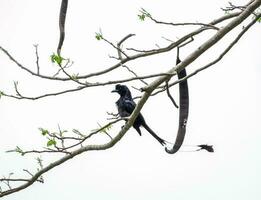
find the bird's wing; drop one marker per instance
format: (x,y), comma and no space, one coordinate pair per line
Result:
(129,105)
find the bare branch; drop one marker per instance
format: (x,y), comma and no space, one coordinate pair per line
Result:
(169,95)
(45,151)
(232,7)
(244,30)
(125,38)
(178,24)
(71,77)
(139,55)
(67,157)
(209,43)
(37,58)
(16,89)
(147,92)
(116,47)
(134,73)
(67,65)
(170,73)
(44,95)
(27,171)
(185,43)
(13,180)
(85,86)
(120,43)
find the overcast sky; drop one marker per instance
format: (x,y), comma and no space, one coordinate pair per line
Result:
(224,104)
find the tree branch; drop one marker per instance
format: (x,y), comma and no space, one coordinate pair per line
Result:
(231,45)
(147,89)
(125,60)
(206,45)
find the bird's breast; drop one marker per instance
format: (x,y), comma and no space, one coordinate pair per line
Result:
(121,110)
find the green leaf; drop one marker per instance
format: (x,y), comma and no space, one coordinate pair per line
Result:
(259,19)
(53,57)
(143,14)
(51,142)
(142,17)
(56,59)
(43,131)
(98,36)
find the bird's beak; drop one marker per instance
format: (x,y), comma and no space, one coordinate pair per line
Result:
(114,91)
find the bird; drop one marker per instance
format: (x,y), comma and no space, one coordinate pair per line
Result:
(125,105)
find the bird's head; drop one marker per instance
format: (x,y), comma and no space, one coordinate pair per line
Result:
(122,90)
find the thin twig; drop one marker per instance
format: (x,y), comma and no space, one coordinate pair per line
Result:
(184,23)
(85,86)
(134,73)
(125,38)
(120,43)
(117,48)
(169,95)
(66,66)
(45,151)
(139,55)
(37,59)
(217,59)
(13,179)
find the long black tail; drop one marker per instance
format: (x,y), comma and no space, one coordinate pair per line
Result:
(161,141)
(183,109)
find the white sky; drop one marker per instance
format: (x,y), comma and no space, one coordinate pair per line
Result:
(137,167)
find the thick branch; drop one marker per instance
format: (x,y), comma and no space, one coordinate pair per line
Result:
(82,149)
(209,43)
(148,90)
(231,45)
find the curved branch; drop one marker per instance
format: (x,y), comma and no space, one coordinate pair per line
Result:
(45,95)
(182,23)
(148,90)
(82,149)
(20,96)
(206,45)
(125,60)
(231,45)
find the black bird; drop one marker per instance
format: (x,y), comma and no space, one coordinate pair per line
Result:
(126,105)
